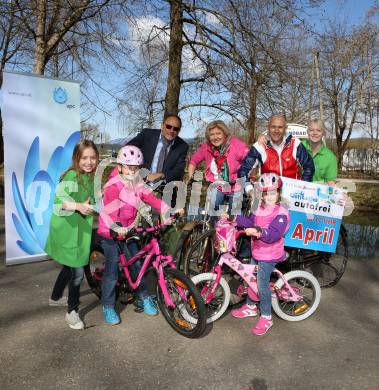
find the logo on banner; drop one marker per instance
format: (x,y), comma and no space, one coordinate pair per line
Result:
(34,201)
(60,95)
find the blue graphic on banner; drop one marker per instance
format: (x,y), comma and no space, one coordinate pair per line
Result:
(60,95)
(315,232)
(35,205)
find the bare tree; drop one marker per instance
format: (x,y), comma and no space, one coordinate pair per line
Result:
(61,38)
(11,48)
(345,74)
(250,57)
(49,22)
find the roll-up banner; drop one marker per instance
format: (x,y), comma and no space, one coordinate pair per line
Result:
(41,125)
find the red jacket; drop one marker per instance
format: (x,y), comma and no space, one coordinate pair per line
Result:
(294,161)
(283,165)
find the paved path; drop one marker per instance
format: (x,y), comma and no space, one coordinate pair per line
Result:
(373,181)
(337,348)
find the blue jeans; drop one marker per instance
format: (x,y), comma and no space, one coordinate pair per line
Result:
(217,199)
(111,253)
(73,278)
(264,273)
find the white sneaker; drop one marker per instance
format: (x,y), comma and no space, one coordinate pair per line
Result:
(60,302)
(73,320)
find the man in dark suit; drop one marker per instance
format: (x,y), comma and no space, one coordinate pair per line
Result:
(163,150)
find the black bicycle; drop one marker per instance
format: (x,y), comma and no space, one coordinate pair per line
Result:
(328,268)
(200,254)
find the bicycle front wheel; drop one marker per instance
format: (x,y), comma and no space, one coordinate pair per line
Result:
(188,304)
(305,285)
(200,256)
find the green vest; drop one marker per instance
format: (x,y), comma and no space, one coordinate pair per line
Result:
(70,235)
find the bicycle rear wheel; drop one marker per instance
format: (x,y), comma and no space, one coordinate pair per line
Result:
(186,240)
(305,285)
(94,272)
(201,255)
(187,301)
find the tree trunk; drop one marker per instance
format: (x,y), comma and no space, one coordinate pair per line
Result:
(340,151)
(252,120)
(175,57)
(40,49)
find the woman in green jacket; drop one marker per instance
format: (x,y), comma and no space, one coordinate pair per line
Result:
(324,159)
(70,232)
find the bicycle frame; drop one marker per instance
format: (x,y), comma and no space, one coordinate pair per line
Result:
(248,273)
(151,250)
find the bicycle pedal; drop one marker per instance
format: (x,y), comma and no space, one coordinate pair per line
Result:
(128,298)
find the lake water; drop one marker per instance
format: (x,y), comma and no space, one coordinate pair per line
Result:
(363,234)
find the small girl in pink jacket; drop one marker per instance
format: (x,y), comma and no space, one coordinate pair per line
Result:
(122,196)
(223,155)
(267,227)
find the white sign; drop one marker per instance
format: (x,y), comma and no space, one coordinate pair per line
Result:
(297,131)
(41,123)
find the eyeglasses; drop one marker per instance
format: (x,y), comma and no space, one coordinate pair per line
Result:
(169,127)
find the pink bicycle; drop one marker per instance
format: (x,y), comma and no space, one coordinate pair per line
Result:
(295,295)
(176,293)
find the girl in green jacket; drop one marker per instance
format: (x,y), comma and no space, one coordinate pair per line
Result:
(70,232)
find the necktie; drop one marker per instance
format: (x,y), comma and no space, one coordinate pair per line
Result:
(162,154)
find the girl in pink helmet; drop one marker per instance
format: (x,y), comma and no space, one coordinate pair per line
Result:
(123,194)
(267,227)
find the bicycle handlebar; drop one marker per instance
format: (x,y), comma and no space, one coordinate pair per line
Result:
(205,181)
(159,179)
(139,230)
(239,233)
(159,226)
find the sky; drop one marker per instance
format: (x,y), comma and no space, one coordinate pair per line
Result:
(351,11)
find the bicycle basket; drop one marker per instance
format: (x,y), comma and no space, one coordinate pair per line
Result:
(225,236)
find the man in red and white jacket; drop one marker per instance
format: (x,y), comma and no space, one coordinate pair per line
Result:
(282,154)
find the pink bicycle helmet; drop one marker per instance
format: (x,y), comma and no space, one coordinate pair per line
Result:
(130,155)
(269,182)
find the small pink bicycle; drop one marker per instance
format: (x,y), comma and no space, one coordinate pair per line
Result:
(295,295)
(176,293)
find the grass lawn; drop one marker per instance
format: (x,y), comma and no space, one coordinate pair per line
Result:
(366,196)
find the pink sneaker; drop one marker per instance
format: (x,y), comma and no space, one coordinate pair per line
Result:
(245,311)
(262,326)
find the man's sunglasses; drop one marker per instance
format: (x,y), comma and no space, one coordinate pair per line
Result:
(169,127)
